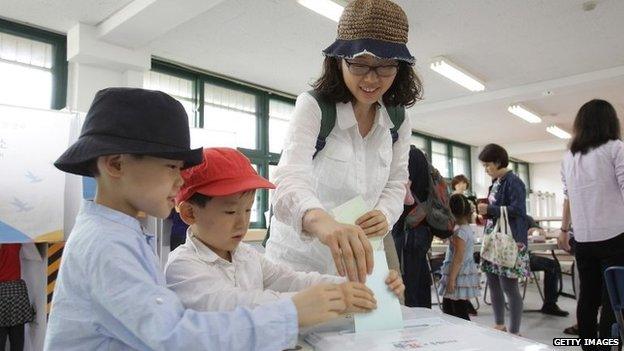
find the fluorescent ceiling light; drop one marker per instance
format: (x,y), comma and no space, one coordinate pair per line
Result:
(524,113)
(327,8)
(457,74)
(558,132)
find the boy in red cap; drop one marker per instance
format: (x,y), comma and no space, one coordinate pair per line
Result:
(213,270)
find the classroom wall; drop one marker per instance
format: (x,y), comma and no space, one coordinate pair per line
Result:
(547,177)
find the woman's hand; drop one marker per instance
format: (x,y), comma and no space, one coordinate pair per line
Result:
(350,248)
(563,241)
(374,223)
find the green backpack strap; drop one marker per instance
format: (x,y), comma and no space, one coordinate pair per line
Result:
(397,116)
(328,120)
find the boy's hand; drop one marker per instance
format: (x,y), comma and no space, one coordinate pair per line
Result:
(358,297)
(395,283)
(374,223)
(318,304)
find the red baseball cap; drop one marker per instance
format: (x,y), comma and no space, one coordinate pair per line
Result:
(224,172)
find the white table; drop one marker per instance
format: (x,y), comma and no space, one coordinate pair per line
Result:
(426,329)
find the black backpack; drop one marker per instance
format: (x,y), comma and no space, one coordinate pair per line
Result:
(328,121)
(435,210)
(439,217)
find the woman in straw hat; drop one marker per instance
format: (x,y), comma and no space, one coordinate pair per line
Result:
(367,77)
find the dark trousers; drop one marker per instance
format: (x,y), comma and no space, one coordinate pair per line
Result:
(457,308)
(15,335)
(592,259)
(412,247)
(552,275)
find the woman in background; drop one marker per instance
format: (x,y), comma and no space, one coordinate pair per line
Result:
(506,190)
(593,179)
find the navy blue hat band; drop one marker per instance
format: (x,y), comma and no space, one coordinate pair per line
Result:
(379,48)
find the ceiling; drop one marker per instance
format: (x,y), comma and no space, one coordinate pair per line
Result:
(551,55)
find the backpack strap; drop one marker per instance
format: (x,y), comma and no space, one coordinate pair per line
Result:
(397,116)
(328,120)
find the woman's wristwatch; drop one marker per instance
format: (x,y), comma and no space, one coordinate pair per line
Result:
(564,230)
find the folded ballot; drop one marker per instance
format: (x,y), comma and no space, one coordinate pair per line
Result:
(388,313)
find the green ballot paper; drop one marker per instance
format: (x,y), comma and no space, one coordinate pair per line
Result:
(388,313)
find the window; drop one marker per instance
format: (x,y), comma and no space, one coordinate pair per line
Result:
(255,211)
(33,67)
(228,113)
(461,161)
(179,88)
(279,117)
(420,142)
(522,170)
(440,158)
(231,115)
(448,157)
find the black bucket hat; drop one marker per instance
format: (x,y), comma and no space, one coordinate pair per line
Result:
(375,27)
(131,121)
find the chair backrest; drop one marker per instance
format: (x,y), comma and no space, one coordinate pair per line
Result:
(614,277)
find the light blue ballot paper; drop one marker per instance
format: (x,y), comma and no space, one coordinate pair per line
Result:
(388,313)
(350,211)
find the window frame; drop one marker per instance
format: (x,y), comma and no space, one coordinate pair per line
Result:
(59,56)
(449,150)
(516,163)
(260,156)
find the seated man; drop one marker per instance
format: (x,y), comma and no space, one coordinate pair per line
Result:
(552,274)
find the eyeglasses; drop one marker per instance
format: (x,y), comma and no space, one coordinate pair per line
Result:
(360,69)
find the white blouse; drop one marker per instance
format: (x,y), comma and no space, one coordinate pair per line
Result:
(206,282)
(349,165)
(594,186)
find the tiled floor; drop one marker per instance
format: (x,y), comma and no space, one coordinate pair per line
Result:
(535,325)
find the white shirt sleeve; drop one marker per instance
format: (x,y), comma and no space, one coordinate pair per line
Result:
(391,200)
(618,162)
(200,287)
(295,194)
(127,305)
(284,279)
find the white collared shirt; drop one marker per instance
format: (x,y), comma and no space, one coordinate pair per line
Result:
(110,295)
(348,166)
(206,282)
(594,185)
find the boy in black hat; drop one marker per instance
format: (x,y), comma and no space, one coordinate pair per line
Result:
(110,292)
